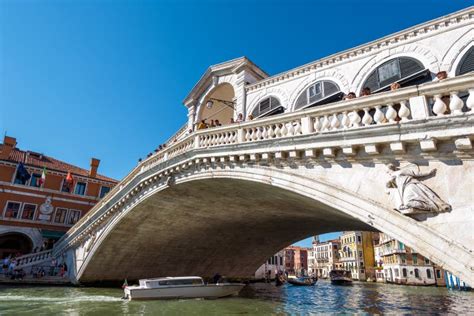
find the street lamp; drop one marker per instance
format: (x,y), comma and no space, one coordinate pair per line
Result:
(211,101)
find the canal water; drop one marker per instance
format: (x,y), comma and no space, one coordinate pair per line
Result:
(256,299)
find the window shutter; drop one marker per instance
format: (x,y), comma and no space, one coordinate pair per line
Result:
(409,66)
(467,63)
(372,81)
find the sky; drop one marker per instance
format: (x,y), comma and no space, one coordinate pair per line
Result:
(106,78)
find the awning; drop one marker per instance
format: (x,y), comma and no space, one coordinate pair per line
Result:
(329,99)
(279,109)
(418,77)
(51,234)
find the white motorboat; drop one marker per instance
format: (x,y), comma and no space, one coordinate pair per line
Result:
(179,287)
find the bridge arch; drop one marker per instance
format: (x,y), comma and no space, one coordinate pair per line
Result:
(262,207)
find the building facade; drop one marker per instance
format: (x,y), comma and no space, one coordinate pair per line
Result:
(296,260)
(42,197)
(400,264)
(356,254)
(326,257)
(273,266)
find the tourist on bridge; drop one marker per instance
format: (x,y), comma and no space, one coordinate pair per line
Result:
(202,124)
(350,95)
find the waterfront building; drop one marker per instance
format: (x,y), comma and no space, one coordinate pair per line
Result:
(42,197)
(273,266)
(402,265)
(356,254)
(296,260)
(312,258)
(326,257)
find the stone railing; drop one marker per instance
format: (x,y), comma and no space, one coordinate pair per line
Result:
(389,108)
(34,258)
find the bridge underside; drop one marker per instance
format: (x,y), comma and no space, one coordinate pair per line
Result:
(208,226)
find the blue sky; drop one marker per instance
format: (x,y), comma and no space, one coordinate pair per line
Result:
(105,79)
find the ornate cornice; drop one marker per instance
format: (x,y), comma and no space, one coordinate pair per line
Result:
(380,44)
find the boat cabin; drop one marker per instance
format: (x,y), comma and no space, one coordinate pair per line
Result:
(169,281)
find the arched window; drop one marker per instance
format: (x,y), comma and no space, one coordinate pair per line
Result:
(467,63)
(319,93)
(417,273)
(406,71)
(268,106)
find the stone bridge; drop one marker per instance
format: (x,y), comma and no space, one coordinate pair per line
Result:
(225,199)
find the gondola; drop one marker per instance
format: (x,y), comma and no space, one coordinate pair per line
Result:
(302,281)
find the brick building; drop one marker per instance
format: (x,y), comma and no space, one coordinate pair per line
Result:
(34,212)
(296,260)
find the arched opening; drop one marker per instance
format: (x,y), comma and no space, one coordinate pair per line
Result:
(319,93)
(417,273)
(268,107)
(229,226)
(406,71)
(466,64)
(220,109)
(14,244)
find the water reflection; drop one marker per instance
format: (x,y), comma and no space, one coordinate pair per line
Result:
(263,299)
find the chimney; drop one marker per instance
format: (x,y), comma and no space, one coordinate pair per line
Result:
(8,144)
(94,166)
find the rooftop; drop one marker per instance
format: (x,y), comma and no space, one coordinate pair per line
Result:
(33,159)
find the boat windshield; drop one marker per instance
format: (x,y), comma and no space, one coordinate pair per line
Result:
(175,282)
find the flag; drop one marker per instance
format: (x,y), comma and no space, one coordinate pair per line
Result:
(125,284)
(43,177)
(22,173)
(69,178)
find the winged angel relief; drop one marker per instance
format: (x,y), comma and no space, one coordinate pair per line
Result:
(411,196)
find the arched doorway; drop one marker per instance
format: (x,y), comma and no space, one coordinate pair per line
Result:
(220,108)
(14,243)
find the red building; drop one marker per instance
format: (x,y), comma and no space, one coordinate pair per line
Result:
(296,260)
(42,197)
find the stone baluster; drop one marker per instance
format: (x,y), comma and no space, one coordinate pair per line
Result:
(264,130)
(404,111)
(379,117)
(355,119)
(367,118)
(455,103)
(259,133)
(226,137)
(325,124)
(345,121)
(335,121)
(298,127)
(284,130)
(271,132)
(277,130)
(391,114)
(254,133)
(439,107)
(291,129)
(317,124)
(470,99)
(247,135)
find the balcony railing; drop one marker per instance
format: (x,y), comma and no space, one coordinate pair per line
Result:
(33,258)
(424,102)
